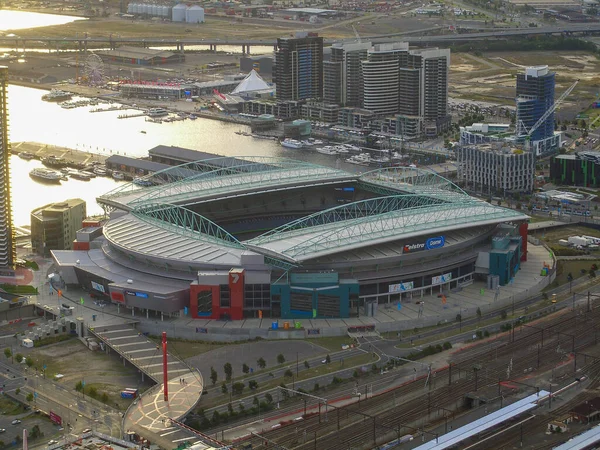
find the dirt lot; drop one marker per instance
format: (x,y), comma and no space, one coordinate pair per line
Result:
(73,360)
(491,76)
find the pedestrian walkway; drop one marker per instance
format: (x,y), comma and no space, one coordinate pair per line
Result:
(151,415)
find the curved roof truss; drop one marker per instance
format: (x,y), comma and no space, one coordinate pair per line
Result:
(410,179)
(392,225)
(244,174)
(185,222)
(332,217)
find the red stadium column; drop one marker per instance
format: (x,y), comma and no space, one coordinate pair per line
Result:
(165,376)
(236,290)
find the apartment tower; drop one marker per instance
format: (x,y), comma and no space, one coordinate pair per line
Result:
(342,74)
(298,73)
(8,250)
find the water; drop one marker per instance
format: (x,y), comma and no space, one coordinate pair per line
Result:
(18,20)
(32,119)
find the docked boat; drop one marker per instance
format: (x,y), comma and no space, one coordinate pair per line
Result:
(56,95)
(100,171)
(291,143)
(46,175)
(26,155)
(142,182)
(157,112)
(192,117)
(328,150)
(54,161)
(118,175)
(78,175)
(362,159)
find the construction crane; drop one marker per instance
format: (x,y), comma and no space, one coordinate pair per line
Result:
(523,132)
(359,40)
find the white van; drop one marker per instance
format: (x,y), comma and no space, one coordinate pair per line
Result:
(27,343)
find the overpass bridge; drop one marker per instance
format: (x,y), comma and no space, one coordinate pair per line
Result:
(81,43)
(150,415)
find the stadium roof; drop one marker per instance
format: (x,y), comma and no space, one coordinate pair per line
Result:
(413,202)
(449,440)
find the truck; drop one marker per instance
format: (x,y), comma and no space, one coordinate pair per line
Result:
(129,393)
(578,241)
(28,343)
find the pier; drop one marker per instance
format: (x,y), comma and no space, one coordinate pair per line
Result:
(41,151)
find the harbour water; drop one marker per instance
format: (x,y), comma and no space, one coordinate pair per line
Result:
(32,119)
(18,20)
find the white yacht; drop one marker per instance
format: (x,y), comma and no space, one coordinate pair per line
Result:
(291,143)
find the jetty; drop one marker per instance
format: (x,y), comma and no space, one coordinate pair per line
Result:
(41,151)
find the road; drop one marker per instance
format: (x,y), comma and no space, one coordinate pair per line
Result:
(79,412)
(500,33)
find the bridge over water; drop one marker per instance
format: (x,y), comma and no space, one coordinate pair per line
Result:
(112,41)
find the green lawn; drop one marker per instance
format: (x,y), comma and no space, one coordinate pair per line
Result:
(9,407)
(333,343)
(574,267)
(322,369)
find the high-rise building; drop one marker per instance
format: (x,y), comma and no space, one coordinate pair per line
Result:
(342,74)
(535,95)
(298,73)
(54,226)
(381,77)
(412,84)
(8,249)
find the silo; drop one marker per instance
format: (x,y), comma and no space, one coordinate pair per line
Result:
(194,14)
(136,8)
(155,9)
(130,8)
(164,11)
(146,9)
(178,14)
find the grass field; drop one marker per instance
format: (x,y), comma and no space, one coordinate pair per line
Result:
(555,234)
(9,407)
(574,267)
(333,343)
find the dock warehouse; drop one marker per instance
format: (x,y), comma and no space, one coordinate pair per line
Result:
(140,56)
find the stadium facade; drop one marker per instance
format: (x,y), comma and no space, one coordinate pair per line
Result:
(232,238)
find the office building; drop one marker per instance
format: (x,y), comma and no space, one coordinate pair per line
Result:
(492,168)
(8,249)
(54,226)
(342,74)
(535,95)
(579,169)
(298,72)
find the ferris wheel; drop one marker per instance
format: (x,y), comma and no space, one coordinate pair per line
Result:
(94,69)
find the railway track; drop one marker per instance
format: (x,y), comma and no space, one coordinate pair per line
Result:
(410,407)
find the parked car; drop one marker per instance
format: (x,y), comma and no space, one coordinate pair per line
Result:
(16,422)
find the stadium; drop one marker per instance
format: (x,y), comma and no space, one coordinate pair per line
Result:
(253,237)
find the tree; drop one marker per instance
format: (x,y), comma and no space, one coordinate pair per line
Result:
(104,397)
(288,374)
(29,361)
(17,391)
(245,368)
(316,387)
(306,365)
(224,388)
(213,375)
(252,384)
(7,352)
(478,312)
(35,432)
(19,358)
(255,401)
(327,359)
(280,359)
(79,386)
(29,397)
(238,387)
(503,315)
(260,362)
(458,318)
(93,392)
(268,398)
(228,371)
